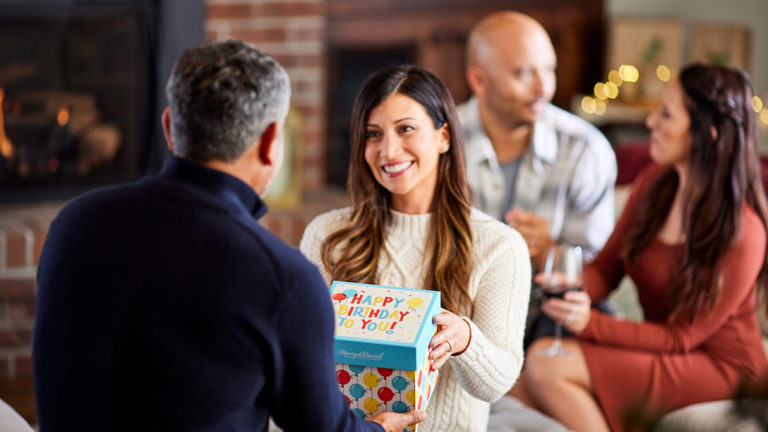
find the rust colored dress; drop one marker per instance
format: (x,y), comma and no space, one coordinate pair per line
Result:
(667,366)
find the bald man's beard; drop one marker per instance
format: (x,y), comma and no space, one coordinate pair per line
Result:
(508,118)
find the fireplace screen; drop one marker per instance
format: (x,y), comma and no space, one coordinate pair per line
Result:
(76,94)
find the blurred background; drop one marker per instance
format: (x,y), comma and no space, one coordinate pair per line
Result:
(82,89)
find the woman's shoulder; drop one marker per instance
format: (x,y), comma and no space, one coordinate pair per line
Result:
(753,230)
(326,223)
(486,230)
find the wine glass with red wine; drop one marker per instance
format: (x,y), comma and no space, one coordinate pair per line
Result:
(561,273)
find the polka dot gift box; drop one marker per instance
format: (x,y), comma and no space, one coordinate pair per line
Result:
(381,346)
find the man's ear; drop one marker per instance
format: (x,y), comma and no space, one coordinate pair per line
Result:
(166,121)
(266,142)
(476,79)
(713,131)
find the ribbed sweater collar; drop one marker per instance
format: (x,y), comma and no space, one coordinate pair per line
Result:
(409,225)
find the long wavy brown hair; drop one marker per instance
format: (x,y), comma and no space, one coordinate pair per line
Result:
(723,174)
(352,253)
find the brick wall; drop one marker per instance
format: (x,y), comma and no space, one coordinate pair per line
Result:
(22,234)
(293,32)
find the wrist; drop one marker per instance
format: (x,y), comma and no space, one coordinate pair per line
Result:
(469,338)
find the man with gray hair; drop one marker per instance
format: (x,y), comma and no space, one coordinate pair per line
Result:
(164,305)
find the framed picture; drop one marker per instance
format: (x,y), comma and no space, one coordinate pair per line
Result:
(723,44)
(645,43)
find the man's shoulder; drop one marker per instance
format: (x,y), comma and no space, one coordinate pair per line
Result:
(575,127)
(111,199)
(328,222)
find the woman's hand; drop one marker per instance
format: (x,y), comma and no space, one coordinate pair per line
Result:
(573,312)
(452,337)
(394,422)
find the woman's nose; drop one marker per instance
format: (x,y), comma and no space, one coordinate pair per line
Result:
(390,146)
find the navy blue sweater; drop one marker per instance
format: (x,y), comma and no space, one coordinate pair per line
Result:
(164,305)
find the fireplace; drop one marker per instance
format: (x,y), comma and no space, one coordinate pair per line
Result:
(81,85)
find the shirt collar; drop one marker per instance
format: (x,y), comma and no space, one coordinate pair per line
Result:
(544,141)
(224,186)
(478,146)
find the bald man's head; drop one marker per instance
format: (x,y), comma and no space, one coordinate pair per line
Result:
(499,28)
(511,66)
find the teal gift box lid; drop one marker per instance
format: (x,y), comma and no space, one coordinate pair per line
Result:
(383,326)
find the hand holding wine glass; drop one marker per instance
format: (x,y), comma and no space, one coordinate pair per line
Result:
(560,281)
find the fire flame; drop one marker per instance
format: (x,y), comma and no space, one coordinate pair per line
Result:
(63,116)
(6,148)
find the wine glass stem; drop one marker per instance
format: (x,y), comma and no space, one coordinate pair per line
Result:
(558,335)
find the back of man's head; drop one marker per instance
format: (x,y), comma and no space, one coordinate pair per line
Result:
(222,97)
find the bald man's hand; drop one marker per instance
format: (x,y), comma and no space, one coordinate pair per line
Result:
(535,231)
(394,422)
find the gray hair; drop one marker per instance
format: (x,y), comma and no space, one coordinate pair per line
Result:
(222,97)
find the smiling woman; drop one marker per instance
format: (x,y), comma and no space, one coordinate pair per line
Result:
(402,147)
(411,225)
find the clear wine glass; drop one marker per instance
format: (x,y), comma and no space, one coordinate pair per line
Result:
(561,273)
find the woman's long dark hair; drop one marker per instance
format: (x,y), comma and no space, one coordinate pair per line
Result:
(723,174)
(352,253)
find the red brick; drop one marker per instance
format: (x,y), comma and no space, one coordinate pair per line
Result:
(308,34)
(233,10)
(17,289)
(262,35)
(16,245)
(23,363)
(23,310)
(15,339)
(292,61)
(292,9)
(5,373)
(37,247)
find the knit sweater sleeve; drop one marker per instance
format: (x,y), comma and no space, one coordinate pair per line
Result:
(316,233)
(492,362)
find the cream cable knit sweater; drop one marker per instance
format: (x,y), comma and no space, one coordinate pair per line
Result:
(499,286)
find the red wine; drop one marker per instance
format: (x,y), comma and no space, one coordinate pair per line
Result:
(558,291)
(556,285)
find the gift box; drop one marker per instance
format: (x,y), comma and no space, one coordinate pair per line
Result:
(382,346)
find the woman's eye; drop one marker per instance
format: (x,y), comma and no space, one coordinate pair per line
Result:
(406,128)
(371,134)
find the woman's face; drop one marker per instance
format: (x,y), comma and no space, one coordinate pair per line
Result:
(402,148)
(670,128)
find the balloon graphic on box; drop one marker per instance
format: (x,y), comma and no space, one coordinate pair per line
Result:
(382,346)
(385,394)
(399,383)
(342,377)
(357,391)
(371,380)
(371,405)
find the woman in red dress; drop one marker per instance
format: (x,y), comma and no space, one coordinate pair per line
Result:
(693,239)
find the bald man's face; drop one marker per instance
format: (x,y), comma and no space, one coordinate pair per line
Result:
(518,76)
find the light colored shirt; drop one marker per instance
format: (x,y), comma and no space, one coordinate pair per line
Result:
(499,287)
(566,175)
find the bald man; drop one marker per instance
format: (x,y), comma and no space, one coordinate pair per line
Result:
(544,171)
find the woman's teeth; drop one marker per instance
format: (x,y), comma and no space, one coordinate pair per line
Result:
(391,169)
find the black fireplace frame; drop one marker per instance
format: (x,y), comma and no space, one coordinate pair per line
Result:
(170,27)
